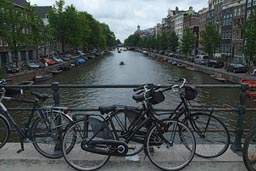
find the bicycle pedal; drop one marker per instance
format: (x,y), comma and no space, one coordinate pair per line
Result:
(20,150)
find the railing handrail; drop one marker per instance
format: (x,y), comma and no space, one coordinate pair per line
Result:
(241,109)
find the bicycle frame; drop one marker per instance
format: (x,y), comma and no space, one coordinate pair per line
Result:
(183,109)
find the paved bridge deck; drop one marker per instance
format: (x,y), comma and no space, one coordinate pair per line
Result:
(31,160)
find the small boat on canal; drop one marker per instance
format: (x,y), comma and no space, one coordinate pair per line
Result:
(252,91)
(14,91)
(43,77)
(57,71)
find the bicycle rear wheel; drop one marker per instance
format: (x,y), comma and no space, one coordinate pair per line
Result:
(212,136)
(4,131)
(47,134)
(249,150)
(82,156)
(166,147)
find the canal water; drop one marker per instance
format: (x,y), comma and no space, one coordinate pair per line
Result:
(139,69)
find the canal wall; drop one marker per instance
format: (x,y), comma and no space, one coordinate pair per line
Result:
(220,72)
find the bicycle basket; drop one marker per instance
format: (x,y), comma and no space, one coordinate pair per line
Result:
(157,97)
(97,125)
(190,92)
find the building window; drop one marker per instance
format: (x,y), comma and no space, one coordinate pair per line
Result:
(249,2)
(254,2)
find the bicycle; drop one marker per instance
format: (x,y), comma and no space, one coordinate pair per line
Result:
(211,134)
(90,140)
(45,131)
(249,150)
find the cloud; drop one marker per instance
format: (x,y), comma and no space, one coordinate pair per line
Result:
(123,16)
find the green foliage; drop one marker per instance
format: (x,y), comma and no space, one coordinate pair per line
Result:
(210,39)
(13,25)
(187,43)
(249,30)
(78,29)
(173,41)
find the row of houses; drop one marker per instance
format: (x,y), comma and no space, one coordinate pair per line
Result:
(226,15)
(27,53)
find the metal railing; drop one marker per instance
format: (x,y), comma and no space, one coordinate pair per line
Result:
(241,109)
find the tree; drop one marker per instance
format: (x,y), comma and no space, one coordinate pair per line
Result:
(13,27)
(173,41)
(188,41)
(248,28)
(36,37)
(210,39)
(57,23)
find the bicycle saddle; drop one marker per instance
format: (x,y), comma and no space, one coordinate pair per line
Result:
(40,96)
(106,109)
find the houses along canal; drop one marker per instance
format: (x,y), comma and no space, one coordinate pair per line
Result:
(138,69)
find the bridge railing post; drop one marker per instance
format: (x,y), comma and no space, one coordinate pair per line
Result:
(237,145)
(56,95)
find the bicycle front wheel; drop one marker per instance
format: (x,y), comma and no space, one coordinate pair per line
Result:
(4,131)
(84,156)
(212,136)
(167,146)
(249,150)
(47,134)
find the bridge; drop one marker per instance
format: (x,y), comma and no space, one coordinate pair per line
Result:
(32,160)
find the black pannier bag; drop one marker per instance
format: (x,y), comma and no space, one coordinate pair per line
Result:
(97,125)
(190,92)
(157,97)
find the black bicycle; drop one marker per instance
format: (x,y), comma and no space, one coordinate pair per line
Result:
(45,131)
(90,140)
(249,150)
(212,136)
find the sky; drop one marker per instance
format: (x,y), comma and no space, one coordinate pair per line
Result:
(123,16)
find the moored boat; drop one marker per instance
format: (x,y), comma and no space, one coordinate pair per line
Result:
(13,91)
(43,77)
(252,91)
(57,71)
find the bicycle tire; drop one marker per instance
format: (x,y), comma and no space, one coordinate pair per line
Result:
(172,155)
(45,134)
(4,131)
(136,144)
(212,139)
(79,158)
(249,150)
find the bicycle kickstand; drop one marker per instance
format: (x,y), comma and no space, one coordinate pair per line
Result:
(22,146)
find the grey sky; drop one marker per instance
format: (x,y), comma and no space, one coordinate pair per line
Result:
(123,16)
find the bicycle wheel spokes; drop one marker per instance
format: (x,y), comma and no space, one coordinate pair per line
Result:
(4,132)
(47,136)
(78,157)
(249,150)
(212,136)
(173,149)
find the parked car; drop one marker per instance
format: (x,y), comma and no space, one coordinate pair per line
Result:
(12,68)
(47,61)
(66,57)
(80,52)
(236,68)
(201,59)
(57,59)
(32,64)
(216,63)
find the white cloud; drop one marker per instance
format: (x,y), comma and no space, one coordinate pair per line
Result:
(123,16)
